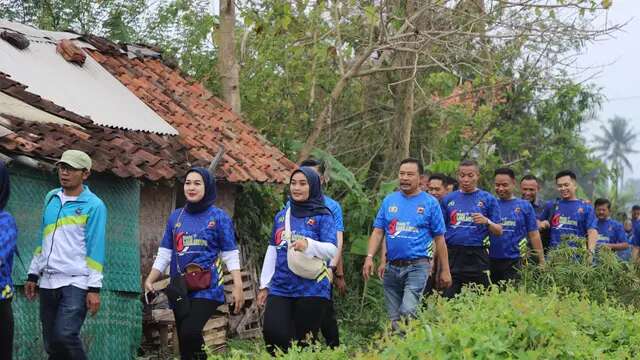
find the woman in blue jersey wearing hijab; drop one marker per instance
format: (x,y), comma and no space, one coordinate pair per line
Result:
(8,238)
(198,236)
(294,284)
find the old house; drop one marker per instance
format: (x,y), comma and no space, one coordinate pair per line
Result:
(144,124)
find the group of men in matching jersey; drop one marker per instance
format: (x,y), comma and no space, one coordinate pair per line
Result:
(468,236)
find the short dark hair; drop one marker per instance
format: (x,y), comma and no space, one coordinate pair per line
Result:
(469,162)
(439,176)
(453,182)
(602,201)
(314,163)
(635,207)
(505,171)
(413,161)
(530,177)
(568,173)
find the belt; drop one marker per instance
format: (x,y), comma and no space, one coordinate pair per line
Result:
(403,263)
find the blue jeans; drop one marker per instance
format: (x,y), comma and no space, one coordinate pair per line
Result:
(403,287)
(62,312)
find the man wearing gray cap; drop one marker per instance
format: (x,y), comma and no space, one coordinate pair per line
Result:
(67,267)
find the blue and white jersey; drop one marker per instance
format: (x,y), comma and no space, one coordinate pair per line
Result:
(458,208)
(518,219)
(410,223)
(568,217)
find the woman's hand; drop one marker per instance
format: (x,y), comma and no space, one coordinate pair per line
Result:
(262,297)
(300,245)
(148,286)
(238,297)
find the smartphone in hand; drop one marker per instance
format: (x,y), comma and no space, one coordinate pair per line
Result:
(149,296)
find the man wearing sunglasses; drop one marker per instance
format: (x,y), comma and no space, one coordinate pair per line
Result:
(67,267)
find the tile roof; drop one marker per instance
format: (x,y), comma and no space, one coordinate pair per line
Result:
(123,153)
(203,121)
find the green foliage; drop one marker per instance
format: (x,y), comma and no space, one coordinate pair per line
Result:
(256,207)
(497,324)
(567,271)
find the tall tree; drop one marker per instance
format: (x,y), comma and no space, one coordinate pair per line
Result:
(615,144)
(228,68)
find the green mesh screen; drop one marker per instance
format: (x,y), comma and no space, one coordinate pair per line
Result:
(115,332)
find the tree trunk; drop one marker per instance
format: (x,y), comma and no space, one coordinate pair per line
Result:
(403,99)
(227,66)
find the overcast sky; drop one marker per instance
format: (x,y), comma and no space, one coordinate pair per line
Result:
(620,81)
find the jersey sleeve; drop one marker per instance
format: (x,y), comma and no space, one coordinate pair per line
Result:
(621,236)
(443,210)
(167,238)
(436,220)
(380,221)
(493,210)
(275,236)
(531,222)
(590,220)
(226,234)
(327,230)
(546,211)
(8,238)
(338,219)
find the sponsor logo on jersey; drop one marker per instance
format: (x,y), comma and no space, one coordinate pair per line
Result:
(311,222)
(420,210)
(393,209)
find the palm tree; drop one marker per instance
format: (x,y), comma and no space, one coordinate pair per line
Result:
(615,144)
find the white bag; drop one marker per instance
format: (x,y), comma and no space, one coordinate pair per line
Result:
(307,267)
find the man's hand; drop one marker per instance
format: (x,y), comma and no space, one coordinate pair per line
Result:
(262,297)
(93,303)
(30,290)
(478,218)
(341,285)
(367,268)
(544,224)
(238,298)
(381,269)
(444,279)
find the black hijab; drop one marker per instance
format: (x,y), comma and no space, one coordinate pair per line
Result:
(5,186)
(314,205)
(209,197)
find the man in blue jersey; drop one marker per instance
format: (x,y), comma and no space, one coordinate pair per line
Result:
(519,222)
(410,220)
(610,232)
(569,215)
(470,215)
(329,326)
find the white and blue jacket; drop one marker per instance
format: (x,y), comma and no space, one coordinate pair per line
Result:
(72,249)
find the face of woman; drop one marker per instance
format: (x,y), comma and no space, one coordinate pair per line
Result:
(299,187)
(194,187)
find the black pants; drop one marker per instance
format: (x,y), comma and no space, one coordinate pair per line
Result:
(329,328)
(287,319)
(190,328)
(6,330)
(505,270)
(469,265)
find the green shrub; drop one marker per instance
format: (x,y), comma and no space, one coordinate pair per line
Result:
(568,271)
(496,324)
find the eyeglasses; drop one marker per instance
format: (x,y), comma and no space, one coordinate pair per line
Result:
(66,168)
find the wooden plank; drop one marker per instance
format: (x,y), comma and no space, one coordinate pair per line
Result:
(216,323)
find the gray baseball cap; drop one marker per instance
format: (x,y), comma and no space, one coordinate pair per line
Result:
(76,159)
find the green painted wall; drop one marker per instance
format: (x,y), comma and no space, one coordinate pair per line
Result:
(116,331)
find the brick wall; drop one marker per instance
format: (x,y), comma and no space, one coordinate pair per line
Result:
(156,203)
